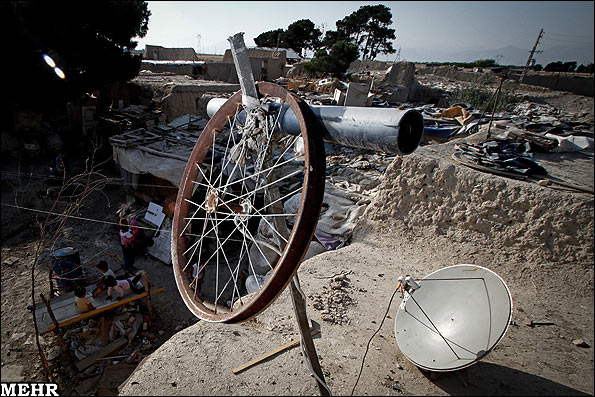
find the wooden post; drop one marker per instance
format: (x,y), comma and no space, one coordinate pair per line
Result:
(57,329)
(51,283)
(250,101)
(147,289)
(104,331)
(299,307)
(298,300)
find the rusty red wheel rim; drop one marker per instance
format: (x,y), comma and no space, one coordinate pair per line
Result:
(305,221)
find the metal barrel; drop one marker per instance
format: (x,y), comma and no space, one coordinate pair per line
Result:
(388,130)
(66,263)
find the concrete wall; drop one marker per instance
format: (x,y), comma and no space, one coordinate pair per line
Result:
(258,53)
(156,52)
(263,69)
(363,66)
(580,85)
(205,71)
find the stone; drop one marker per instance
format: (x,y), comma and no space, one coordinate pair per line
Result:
(12,373)
(54,353)
(18,335)
(581,343)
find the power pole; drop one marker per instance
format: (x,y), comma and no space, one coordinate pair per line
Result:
(531,55)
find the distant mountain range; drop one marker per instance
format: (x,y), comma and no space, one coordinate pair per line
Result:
(511,55)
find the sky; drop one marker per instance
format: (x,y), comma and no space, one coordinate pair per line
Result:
(426,31)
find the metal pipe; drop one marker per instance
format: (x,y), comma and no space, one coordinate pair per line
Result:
(387,130)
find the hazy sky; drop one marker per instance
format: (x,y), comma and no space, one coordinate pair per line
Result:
(425,30)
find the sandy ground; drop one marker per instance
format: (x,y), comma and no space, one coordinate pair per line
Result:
(398,236)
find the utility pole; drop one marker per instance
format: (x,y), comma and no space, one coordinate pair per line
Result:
(531,55)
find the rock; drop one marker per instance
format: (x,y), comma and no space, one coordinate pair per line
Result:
(581,343)
(12,373)
(54,353)
(18,335)
(161,332)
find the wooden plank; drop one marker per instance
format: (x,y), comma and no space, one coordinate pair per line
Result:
(58,332)
(112,347)
(95,312)
(264,356)
(104,351)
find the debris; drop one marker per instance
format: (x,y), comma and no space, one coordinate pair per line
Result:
(535,323)
(54,353)
(581,343)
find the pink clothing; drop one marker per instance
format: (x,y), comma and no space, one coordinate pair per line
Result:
(128,237)
(121,286)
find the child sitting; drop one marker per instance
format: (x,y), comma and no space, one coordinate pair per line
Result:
(82,303)
(105,270)
(121,286)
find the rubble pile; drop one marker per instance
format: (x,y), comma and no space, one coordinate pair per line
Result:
(334,300)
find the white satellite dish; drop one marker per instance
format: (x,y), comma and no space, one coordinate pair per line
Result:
(455,318)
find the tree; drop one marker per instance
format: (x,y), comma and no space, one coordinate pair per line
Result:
(299,35)
(272,38)
(560,66)
(585,68)
(538,67)
(368,28)
(334,62)
(484,63)
(90,42)
(302,35)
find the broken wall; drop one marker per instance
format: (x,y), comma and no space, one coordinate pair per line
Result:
(424,195)
(186,99)
(156,52)
(367,65)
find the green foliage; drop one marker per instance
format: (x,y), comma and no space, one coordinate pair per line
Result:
(538,67)
(272,38)
(302,35)
(479,98)
(485,63)
(477,63)
(299,35)
(334,62)
(368,28)
(89,41)
(586,68)
(560,66)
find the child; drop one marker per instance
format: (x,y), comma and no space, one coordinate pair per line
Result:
(82,303)
(106,271)
(128,239)
(121,286)
(104,268)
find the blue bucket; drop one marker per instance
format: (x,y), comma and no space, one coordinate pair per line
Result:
(66,263)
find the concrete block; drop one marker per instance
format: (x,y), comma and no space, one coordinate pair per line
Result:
(357,94)
(339,97)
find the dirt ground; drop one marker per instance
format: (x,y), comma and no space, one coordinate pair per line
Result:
(413,226)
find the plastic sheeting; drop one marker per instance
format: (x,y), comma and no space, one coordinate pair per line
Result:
(137,161)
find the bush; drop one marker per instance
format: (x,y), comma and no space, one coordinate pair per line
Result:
(479,98)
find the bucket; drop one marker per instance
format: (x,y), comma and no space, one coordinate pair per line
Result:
(66,263)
